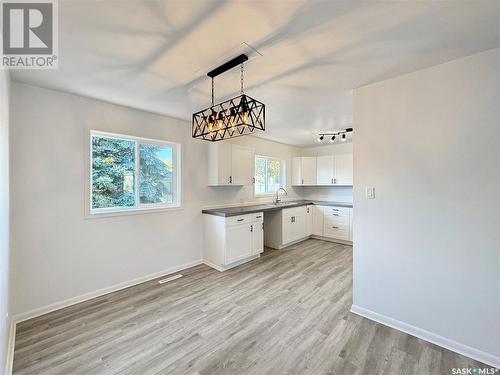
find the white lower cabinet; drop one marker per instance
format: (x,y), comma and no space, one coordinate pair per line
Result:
(293,224)
(309,219)
(317,224)
(229,241)
(336,222)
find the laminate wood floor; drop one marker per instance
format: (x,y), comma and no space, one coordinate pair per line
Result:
(285,313)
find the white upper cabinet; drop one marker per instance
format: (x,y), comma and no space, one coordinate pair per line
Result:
(304,170)
(343,169)
(297,171)
(242,165)
(325,170)
(230,164)
(322,170)
(335,169)
(308,169)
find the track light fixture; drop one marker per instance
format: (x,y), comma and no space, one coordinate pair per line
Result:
(341,133)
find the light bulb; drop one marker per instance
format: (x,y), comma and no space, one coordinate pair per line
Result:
(232,117)
(244,117)
(332,139)
(220,120)
(343,137)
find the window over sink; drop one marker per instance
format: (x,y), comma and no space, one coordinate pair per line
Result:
(269,175)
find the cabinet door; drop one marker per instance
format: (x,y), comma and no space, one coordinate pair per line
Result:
(308,170)
(287,228)
(257,238)
(299,226)
(317,229)
(238,243)
(242,165)
(325,170)
(296,171)
(343,169)
(219,164)
(309,219)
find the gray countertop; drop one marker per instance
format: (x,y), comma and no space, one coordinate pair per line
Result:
(243,210)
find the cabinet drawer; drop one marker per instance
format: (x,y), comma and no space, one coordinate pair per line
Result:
(236,220)
(258,217)
(332,231)
(340,234)
(339,221)
(336,211)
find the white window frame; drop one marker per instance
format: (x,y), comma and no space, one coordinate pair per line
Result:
(283,174)
(176,175)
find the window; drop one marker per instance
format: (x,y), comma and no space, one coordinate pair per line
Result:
(269,175)
(129,173)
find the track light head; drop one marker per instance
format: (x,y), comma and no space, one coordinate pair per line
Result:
(332,139)
(343,137)
(321,137)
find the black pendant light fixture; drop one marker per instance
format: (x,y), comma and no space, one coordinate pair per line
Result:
(241,115)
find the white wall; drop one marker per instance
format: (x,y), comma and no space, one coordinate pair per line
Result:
(58,254)
(4,216)
(427,249)
(328,193)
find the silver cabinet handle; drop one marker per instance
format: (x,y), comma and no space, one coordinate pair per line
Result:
(302,181)
(240,219)
(258,217)
(335,227)
(253,180)
(307,209)
(335,214)
(262,225)
(230,179)
(251,228)
(334,209)
(332,180)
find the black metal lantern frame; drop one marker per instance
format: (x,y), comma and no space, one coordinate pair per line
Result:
(241,115)
(235,117)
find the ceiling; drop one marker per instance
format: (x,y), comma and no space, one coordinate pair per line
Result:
(154,55)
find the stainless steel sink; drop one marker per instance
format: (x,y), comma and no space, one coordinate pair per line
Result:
(285,204)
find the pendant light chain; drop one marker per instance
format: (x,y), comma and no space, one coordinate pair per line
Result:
(213,90)
(241,79)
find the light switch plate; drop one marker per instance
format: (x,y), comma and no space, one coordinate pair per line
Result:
(370,193)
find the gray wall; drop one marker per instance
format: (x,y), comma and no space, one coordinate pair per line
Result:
(58,254)
(427,249)
(4,215)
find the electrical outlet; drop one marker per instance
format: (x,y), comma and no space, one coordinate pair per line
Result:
(370,193)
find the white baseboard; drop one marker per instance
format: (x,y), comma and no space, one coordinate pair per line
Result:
(478,355)
(232,265)
(10,348)
(98,293)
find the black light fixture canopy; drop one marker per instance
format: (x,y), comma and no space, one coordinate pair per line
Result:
(235,117)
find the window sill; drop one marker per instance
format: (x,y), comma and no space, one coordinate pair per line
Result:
(132,211)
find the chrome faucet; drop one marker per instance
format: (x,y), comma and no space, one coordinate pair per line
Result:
(277,198)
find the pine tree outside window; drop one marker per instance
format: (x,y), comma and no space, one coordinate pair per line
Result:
(129,173)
